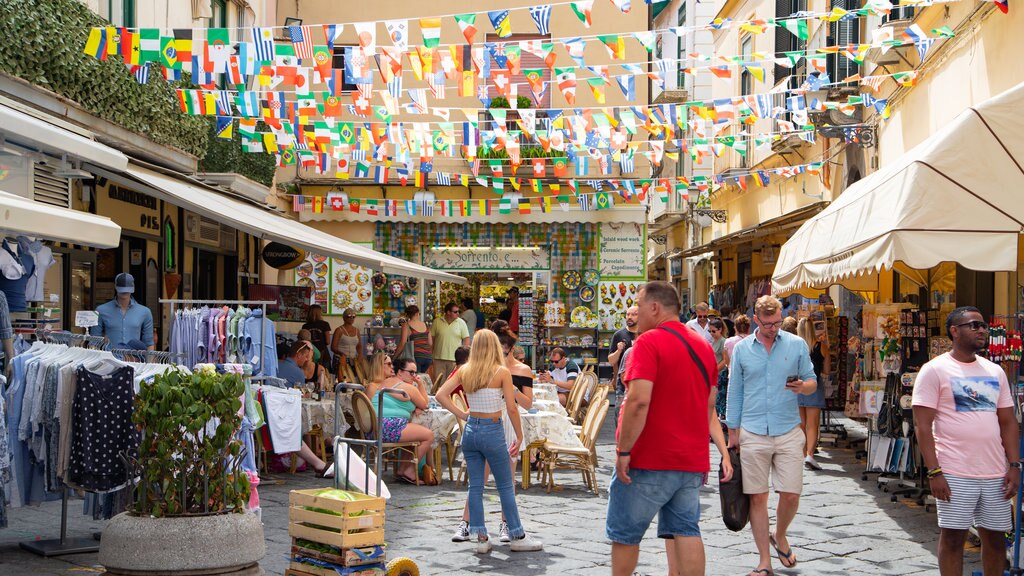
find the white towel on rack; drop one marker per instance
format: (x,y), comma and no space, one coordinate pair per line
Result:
(284,416)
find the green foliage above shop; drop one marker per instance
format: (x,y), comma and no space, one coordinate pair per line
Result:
(43,41)
(227,156)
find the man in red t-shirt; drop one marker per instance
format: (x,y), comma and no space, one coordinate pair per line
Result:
(662,456)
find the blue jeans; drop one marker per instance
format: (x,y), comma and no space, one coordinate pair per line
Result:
(484,440)
(672,496)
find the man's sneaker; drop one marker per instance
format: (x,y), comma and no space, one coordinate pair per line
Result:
(503,532)
(461,533)
(811,464)
(527,544)
(484,546)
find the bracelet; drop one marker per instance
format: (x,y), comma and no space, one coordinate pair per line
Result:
(621,453)
(935,472)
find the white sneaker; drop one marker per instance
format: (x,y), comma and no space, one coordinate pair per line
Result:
(527,544)
(461,533)
(811,464)
(503,532)
(483,546)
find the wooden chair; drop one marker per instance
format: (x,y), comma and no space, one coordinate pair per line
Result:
(577,396)
(583,459)
(360,372)
(346,373)
(368,424)
(453,442)
(600,395)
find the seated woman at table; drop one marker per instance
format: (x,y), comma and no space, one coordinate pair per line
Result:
(345,343)
(492,398)
(396,409)
(522,379)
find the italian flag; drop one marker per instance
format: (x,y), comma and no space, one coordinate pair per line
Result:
(582,10)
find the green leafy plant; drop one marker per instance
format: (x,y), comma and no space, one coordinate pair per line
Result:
(224,155)
(502,102)
(188,455)
(44,46)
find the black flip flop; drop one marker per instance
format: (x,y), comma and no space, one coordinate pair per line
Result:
(406,479)
(765,571)
(783,556)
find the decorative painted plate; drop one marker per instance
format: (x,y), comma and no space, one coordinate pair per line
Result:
(342,276)
(397,289)
(305,269)
(321,269)
(306,283)
(359,307)
(591,278)
(342,300)
(587,293)
(362,278)
(318,258)
(580,315)
(412,283)
(571,280)
(380,280)
(364,294)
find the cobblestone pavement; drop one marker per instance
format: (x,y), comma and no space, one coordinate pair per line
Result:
(845,526)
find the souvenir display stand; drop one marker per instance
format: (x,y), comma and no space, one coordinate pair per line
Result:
(1005,349)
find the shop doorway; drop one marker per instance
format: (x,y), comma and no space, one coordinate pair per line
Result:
(137,258)
(206,275)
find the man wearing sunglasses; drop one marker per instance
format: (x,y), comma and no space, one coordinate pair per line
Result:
(700,322)
(767,373)
(969,439)
(293,367)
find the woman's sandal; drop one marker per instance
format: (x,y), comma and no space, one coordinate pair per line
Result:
(762,571)
(406,479)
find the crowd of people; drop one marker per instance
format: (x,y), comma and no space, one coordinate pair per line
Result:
(753,385)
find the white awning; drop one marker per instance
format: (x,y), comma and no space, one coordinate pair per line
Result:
(23,216)
(955,197)
(250,219)
(32,132)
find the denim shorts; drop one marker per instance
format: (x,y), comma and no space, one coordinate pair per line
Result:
(671,495)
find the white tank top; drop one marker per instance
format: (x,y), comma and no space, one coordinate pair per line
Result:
(486,400)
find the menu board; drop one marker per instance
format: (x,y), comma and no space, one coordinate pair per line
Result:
(337,285)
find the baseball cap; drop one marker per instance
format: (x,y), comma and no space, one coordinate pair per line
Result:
(124,283)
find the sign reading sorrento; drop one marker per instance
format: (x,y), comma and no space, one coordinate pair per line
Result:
(482,259)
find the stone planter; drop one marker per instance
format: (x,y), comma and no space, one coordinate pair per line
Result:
(228,544)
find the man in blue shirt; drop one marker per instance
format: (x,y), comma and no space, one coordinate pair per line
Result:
(293,367)
(123,319)
(765,376)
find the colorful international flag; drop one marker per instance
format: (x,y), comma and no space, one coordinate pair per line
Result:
(302,40)
(501,22)
(96,45)
(467,24)
(542,18)
(582,10)
(431,30)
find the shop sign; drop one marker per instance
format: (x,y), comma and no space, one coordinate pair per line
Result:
(623,251)
(131,210)
(282,257)
(483,259)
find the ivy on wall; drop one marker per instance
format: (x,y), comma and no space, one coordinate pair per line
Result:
(227,156)
(43,42)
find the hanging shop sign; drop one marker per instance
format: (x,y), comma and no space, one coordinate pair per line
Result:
(282,256)
(485,259)
(623,251)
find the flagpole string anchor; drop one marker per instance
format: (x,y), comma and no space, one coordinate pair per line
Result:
(719,216)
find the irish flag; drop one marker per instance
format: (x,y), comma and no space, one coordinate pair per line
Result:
(431,30)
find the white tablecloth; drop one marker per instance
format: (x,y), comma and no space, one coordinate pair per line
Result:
(552,406)
(440,421)
(549,426)
(544,391)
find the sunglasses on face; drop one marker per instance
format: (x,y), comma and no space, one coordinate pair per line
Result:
(974,325)
(388,364)
(352,316)
(704,316)
(400,370)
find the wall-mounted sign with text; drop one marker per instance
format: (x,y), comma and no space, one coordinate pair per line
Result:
(623,251)
(485,259)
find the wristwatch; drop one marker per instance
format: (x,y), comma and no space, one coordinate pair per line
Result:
(626,453)
(1016,465)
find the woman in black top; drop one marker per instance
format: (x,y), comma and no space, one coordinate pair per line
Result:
(319,333)
(522,379)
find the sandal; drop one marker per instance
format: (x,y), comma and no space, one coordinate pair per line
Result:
(406,479)
(764,571)
(784,557)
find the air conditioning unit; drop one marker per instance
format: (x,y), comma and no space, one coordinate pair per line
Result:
(892,55)
(201,230)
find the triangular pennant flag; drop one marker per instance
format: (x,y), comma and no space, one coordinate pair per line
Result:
(582,10)
(467,24)
(542,18)
(501,22)
(398,30)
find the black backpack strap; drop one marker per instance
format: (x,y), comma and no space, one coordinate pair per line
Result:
(693,354)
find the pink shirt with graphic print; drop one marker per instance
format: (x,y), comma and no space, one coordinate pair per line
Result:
(965,397)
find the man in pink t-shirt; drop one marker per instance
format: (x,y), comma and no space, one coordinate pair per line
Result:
(968,436)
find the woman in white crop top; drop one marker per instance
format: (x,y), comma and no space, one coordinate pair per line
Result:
(488,384)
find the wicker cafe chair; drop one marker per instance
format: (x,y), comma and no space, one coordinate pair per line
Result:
(453,442)
(368,424)
(600,395)
(583,459)
(584,386)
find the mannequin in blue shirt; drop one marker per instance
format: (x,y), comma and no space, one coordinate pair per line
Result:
(123,319)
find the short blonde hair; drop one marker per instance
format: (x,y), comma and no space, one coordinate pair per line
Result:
(767,305)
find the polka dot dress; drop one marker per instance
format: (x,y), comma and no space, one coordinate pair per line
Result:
(102,429)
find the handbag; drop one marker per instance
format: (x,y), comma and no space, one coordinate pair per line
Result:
(735,504)
(429,477)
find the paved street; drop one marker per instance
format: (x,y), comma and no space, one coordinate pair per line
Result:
(845,526)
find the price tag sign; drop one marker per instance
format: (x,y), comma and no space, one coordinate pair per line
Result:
(86,318)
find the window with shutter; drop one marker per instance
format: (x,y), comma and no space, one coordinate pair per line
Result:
(843,33)
(681,41)
(48,188)
(783,38)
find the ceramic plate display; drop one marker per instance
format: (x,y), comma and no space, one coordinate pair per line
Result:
(318,258)
(321,269)
(571,280)
(306,283)
(380,279)
(412,283)
(342,276)
(397,289)
(579,315)
(362,278)
(364,294)
(587,293)
(591,278)
(321,283)
(305,270)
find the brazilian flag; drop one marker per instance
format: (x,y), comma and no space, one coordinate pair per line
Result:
(168,54)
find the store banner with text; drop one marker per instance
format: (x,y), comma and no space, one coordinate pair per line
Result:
(623,251)
(484,259)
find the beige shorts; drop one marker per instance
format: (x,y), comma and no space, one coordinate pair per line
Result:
(780,456)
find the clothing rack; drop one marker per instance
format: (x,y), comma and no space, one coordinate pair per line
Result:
(174,302)
(145,356)
(63,545)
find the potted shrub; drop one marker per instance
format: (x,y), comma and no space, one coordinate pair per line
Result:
(189,508)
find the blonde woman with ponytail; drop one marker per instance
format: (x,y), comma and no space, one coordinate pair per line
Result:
(491,395)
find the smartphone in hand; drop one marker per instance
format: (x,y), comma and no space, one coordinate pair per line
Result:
(791,383)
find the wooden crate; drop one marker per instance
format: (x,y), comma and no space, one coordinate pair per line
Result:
(347,557)
(297,569)
(366,529)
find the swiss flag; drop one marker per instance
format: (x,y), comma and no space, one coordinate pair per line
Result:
(337,203)
(538,167)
